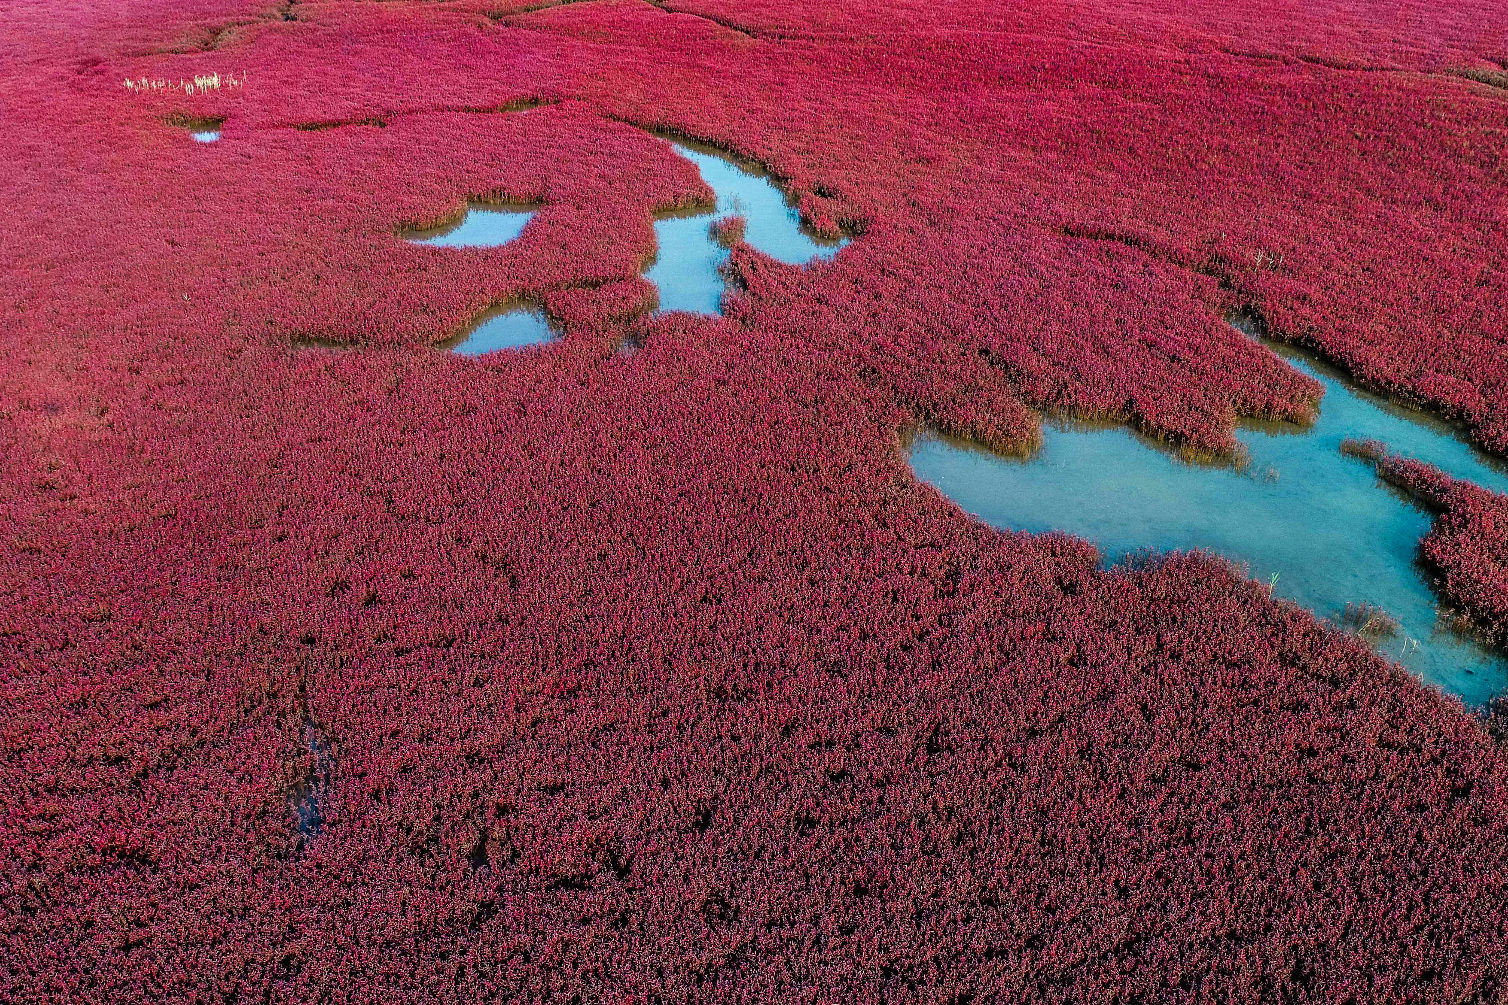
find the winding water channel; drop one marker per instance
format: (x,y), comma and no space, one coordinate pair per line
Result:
(688,261)
(687,267)
(1316,524)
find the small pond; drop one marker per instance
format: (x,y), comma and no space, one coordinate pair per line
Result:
(510,326)
(483,225)
(205,135)
(1318,525)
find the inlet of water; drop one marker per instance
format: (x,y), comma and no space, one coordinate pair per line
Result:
(1321,527)
(688,259)
(484,225)
(511,326)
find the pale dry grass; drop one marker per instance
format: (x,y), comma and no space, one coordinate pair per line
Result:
(200,84)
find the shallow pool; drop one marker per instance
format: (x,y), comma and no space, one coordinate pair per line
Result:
(205,135)
(511,326)
(1320,526)
(688,258)
(484,225)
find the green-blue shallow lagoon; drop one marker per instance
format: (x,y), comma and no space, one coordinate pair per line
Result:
(1320,526)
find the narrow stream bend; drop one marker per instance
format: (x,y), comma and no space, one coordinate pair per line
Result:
(688,262)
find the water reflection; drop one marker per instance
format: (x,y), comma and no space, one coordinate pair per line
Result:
(1316,524)
(205,135)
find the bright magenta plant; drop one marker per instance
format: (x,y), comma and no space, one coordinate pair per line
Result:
(1467,546)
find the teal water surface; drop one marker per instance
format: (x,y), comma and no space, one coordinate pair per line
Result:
(687,267)
(484,225)
(1316,524)
(512,326)
(688,259)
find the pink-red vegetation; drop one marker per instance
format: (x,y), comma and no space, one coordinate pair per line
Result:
(564,674)
(1468,542)
(729,230)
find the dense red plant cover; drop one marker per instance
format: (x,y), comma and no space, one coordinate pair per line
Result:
(1468,542)
(569,674)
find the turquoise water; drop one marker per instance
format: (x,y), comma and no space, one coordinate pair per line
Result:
(509,327)
(205,135)
(1317,525)
(484,225)
(688,258)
